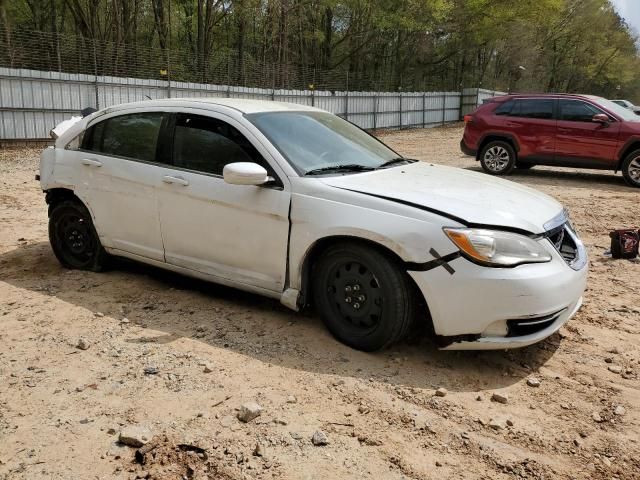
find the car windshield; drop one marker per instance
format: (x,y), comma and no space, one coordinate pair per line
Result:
(320,142)
(622,112)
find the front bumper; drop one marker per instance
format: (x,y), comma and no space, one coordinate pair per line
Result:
(495,343)
(477,307)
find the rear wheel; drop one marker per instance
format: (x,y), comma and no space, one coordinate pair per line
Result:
(73,238)
(498,158)
(631,168)
(364,298)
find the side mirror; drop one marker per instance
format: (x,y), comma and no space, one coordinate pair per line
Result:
(601,118)
(245,173)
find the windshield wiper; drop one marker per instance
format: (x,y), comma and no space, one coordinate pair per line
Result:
(351,167)
(396,161)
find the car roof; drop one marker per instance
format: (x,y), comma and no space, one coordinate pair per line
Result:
(504,98)
(242,105)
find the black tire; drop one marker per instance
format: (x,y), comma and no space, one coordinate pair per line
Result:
(498,158)
(73,237)
(364,298)
(524,166)
(631,169)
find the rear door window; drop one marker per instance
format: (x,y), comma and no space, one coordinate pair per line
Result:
(132,136)
(505,108)
(577,111)
(540,108)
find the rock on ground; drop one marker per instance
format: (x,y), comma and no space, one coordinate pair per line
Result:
(500,397)
(533,382)
(135,436)
(319,438)
(248,411)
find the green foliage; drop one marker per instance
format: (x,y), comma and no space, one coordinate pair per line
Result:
(539,45)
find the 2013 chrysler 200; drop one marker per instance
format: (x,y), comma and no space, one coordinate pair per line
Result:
(297,204)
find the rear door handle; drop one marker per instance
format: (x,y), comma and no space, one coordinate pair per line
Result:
(178,180)
(91,163)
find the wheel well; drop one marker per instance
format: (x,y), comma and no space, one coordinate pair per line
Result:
(627,151)
(57,195)
(318,248)
(491,138)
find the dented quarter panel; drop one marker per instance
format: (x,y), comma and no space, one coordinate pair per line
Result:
(319,211)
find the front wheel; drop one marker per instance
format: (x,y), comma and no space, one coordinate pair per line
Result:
(364,298)
(73,238)
(631,168)
(498,158)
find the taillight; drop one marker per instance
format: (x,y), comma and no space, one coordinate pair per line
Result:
(468,119)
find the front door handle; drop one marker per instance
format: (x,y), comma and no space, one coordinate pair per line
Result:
(90,162)
(178,180)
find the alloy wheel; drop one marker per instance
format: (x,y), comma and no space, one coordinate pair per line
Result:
(496,158)
(634,170)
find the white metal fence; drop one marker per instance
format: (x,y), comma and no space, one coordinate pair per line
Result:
(473,97)
(33,101)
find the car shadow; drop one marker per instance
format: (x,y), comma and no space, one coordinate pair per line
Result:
(556,177)
(258,327)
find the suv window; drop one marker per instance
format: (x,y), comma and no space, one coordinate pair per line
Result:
(505,108)
(132,136)
(577,111)
(540,108)
(207,144)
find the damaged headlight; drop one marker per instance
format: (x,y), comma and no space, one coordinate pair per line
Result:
(497,248)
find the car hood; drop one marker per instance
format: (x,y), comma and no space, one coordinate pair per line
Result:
(470,197)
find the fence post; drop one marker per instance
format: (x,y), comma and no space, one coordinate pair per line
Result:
(346,105)
(444,107)
(375,109)
(400,110)
(424,109)
(95,72)
(168,49)
(461,103)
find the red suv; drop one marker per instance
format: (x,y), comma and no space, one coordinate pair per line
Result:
(583,131)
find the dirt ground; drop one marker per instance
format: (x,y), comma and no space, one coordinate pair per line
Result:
(179,357)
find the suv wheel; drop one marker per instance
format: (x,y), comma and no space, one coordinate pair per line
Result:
(364,298)
(498,158)
(631,168)
(73,238)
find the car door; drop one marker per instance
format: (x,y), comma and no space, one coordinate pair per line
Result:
(581,142)
(531,119)
(119,175)
(235,232)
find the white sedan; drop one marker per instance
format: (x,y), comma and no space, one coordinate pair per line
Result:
(297,204)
